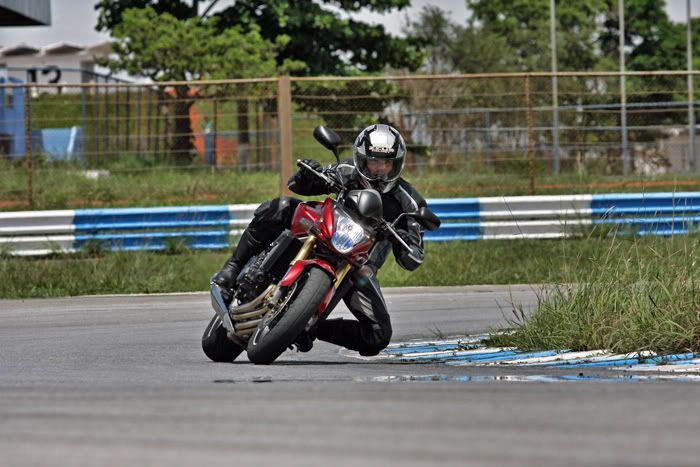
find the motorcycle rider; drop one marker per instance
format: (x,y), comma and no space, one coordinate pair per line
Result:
(379,154)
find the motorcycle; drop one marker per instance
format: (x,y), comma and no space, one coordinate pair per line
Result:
(297,281)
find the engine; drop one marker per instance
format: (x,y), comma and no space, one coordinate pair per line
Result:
(252,280)
(267,267)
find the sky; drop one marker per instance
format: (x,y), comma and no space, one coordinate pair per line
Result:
(74,21)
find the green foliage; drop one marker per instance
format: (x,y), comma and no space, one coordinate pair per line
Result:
(627,295)
(134,181)
(508,35)
(305,31)
(164,48)
(175,246)
(450,263)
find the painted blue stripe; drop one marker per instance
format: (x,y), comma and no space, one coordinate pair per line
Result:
(625,361)
(619,211)
(431,237)
(462,230)
(132,216)
(520,355)
(155,240)
(652,226)
(456,208)
(644,200)
(152,225)
(458,213)
(468,358)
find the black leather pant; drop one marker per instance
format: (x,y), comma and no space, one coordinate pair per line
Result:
(372,331)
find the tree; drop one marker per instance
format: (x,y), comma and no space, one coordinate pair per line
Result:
(163,48)
(311,39)
(319,37)
(524,24)
(513,35)
(454,48)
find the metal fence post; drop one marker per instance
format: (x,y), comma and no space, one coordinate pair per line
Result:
(487,139)
(28,143)
(530,136)
(216,130)
(626,160)
(284,110)
(555,89)
(691,110)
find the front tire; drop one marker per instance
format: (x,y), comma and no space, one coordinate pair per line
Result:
(216,345)
(267,343)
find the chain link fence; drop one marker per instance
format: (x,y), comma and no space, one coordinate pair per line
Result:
(503,125)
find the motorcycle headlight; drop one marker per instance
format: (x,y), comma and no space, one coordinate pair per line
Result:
(348,233)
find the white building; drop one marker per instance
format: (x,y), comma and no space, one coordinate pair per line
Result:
(59,63)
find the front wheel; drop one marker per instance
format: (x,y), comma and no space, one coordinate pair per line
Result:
(277,332)
(216,345)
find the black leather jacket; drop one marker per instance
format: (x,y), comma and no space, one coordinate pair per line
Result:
(403,198)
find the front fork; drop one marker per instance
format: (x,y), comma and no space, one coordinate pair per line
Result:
(339,275)
(306,248)
(240,321)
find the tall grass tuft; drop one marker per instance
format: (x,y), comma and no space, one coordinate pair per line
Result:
(630,294)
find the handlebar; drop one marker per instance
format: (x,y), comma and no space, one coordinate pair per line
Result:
(390,228)
(333,183)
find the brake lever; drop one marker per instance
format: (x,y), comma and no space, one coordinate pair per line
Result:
(390,228)
(323,176)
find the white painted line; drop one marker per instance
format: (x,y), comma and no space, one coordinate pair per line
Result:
(425,343)
(693,366)
(554,358)
(457,353)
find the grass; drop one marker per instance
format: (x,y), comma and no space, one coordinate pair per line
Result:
(70,189)
(630,295)
(182,270)
(135,182)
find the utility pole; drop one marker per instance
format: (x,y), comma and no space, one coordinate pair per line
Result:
(626,162)
(691,111)
(555,87)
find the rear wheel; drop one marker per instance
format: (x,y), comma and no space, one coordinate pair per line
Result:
(279,330)
(216,345)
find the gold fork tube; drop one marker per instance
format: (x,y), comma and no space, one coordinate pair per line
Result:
(305,249)
(341,273)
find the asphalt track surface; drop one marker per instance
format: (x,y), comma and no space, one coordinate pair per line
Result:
(122,381)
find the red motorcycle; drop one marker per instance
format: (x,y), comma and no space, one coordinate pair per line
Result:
(291,286)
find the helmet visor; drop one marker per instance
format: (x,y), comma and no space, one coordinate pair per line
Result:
(379,168)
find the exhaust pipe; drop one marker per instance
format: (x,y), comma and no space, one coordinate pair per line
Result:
(217,302)
(254,303)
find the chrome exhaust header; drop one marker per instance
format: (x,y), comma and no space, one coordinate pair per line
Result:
(217,302)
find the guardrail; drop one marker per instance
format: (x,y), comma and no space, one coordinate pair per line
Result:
(212,227)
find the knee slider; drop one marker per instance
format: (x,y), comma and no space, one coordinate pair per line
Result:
(380,340)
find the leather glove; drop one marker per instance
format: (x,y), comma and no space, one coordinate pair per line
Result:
(404,236)
(313,164)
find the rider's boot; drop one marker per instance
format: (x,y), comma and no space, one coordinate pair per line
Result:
(305,341)
(226,278)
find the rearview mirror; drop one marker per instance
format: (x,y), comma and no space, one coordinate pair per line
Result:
(328,138)
(427,218)
(366,202)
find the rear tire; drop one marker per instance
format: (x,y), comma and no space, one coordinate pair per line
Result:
(266,345)
(216,345)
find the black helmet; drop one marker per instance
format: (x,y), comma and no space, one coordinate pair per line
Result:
(379,153)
